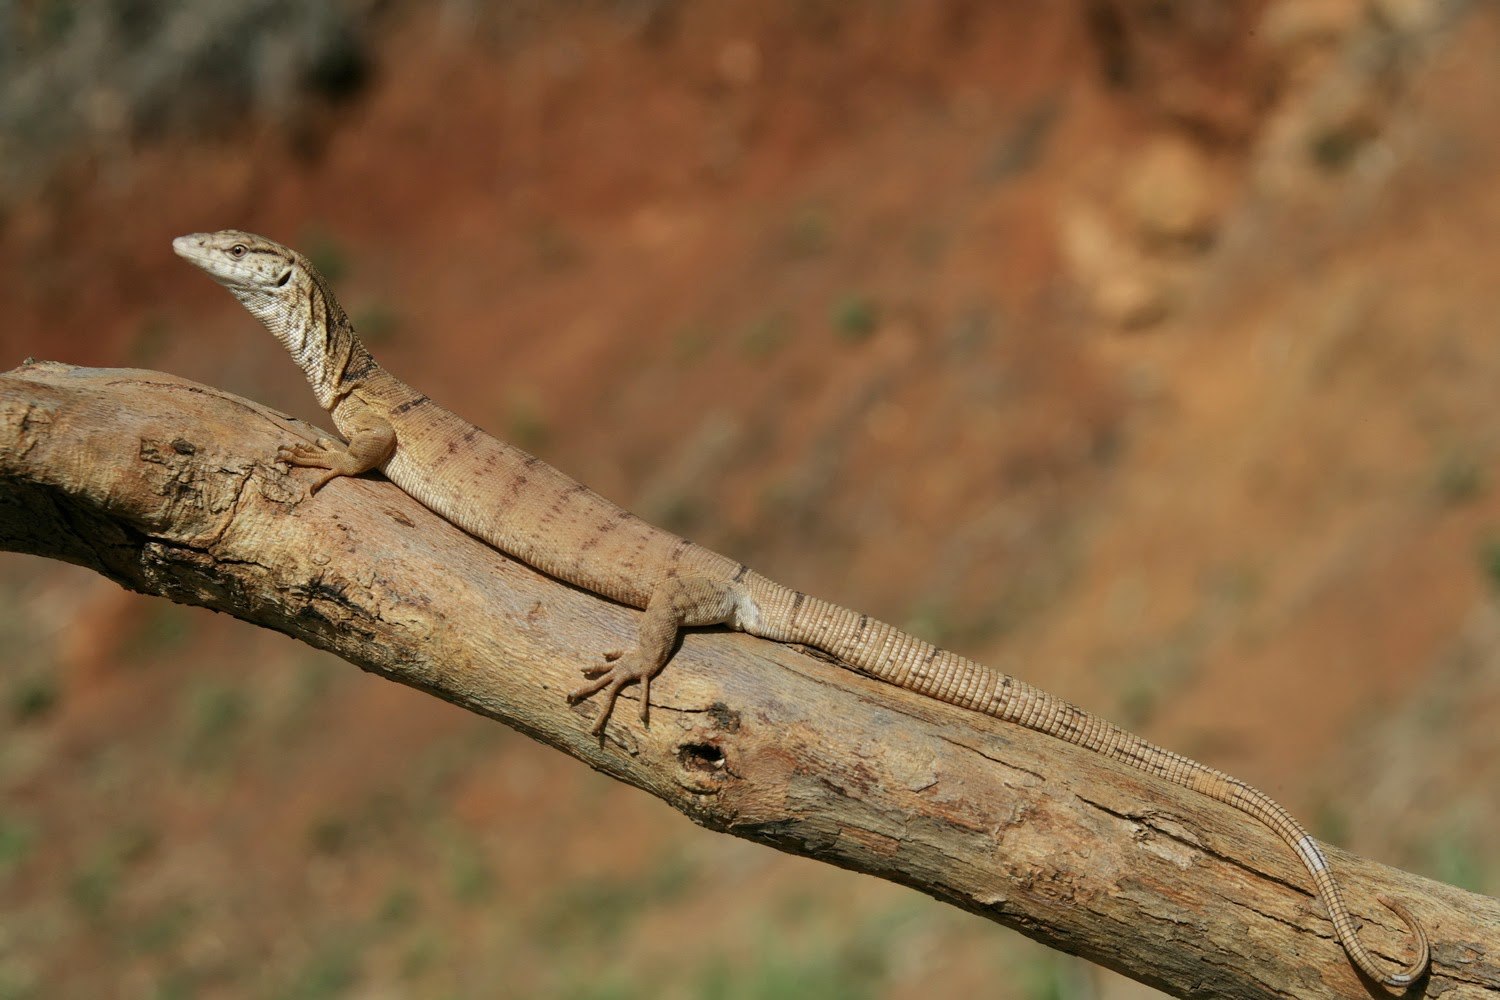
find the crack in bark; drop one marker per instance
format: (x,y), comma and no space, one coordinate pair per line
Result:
(237,502)
(1201,846)
(952,740)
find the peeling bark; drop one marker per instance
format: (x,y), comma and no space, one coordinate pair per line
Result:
(167,487)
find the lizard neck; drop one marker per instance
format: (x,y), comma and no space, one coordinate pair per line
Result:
(314,328)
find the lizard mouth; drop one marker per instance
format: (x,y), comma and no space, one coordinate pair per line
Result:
(186,246)
(193,248)
(206,251)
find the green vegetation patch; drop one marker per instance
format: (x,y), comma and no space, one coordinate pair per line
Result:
(855,317)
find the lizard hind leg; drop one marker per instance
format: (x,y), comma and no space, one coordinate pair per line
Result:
(679,602)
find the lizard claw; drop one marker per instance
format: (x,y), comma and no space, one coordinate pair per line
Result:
(621,672)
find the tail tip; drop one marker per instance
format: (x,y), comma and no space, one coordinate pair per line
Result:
(1418,967)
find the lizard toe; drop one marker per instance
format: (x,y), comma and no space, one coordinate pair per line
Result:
(611,695)
(612,678)
(600,669)
(601,680)
(305,455)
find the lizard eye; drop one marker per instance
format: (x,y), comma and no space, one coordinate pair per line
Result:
(238,250)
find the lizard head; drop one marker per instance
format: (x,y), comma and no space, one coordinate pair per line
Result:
(248,265)
(282,289)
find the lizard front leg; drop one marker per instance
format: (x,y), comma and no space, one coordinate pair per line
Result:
(676,604)
(371,441)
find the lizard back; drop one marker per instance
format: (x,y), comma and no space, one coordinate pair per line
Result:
(514,501)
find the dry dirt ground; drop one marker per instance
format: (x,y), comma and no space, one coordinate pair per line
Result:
(1145,352)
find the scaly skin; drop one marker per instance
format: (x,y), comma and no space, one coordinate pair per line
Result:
(525,508)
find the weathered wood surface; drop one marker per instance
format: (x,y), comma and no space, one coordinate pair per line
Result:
(167,487)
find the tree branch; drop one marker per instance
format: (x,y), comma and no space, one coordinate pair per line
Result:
(167,487)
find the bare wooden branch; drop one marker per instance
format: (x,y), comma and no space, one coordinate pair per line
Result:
(167,487)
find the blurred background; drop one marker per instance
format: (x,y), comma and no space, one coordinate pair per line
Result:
(1144,349)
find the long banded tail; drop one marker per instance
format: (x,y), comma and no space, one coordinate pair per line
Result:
(893,656)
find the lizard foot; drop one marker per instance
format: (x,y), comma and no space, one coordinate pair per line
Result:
(322,455)
(325,454)
(619,670)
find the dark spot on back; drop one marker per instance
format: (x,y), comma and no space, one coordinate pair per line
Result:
(604,528)
(410,404)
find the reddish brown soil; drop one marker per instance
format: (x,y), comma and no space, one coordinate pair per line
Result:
(801,283)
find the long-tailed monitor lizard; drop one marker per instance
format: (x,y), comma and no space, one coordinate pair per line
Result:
(525,508)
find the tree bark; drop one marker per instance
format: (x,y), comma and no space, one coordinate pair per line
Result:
(168,487)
